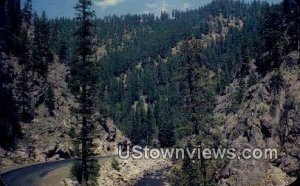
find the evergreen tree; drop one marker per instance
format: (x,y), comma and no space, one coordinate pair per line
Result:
(149,126)
(23,97)
(10,129)
(191,170)
(166,134)
(63,52)
(196,87)
(41,50)
(239,95)
(49,100)
(197,91)
(164,121)
(82,82)
(133,87)
(24,79)
(277,82)
(10,23)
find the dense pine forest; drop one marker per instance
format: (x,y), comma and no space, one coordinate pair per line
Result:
(158,78)
(141,71)
(140,74)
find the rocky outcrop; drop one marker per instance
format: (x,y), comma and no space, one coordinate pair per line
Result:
(49,137)
(129,171)
(266,118)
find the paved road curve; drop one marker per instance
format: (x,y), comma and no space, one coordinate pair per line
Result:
(32,175)
(29,176)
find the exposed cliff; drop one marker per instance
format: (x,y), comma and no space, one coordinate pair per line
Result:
(51,136)
(268,117)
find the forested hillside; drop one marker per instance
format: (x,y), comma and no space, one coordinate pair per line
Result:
(223,75)
(161,76)
(140,58)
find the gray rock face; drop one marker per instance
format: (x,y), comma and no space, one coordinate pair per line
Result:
(290,140)
(265,119)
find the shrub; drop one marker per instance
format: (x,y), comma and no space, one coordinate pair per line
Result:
(76,171)
(94,169)
(277,82)
(115,164)
(72,133)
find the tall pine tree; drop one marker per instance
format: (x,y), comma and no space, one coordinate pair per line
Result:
(83,81)
(41,51)
(24,78)
(197,91)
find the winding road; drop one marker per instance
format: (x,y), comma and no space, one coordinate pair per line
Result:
(31,175)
